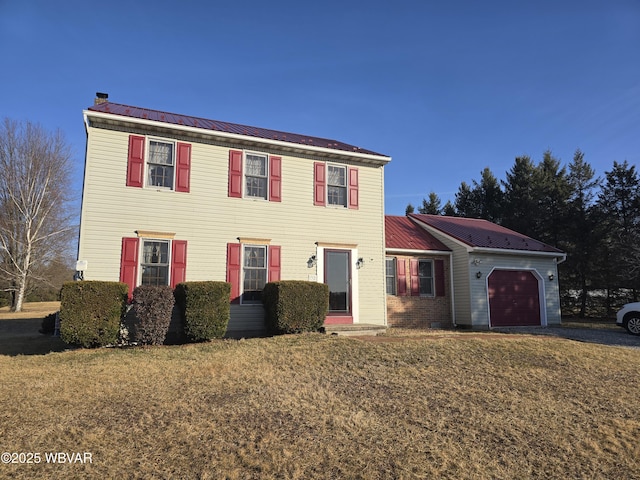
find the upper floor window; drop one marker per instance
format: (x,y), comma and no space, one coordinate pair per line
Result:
(337,185)
(160,164)
(167,164)
(390,267)
(256,176)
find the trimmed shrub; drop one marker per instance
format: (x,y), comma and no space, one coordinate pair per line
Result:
(49,324)
(90,312)
(205,309)
(152,306)
(294,306)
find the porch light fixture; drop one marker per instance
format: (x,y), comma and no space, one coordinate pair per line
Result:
(312,262)
(478,274)
(551,277)
(360,263)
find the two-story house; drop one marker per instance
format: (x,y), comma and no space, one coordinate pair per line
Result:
(170,198)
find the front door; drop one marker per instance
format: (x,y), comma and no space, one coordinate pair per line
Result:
(337,275)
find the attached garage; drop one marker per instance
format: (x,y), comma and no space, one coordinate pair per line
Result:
(501,278)
(514,298)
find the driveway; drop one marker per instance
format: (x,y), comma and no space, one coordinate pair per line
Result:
(609,336)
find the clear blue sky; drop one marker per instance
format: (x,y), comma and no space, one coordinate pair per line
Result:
(446,88)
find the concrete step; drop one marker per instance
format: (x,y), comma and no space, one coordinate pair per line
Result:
(354,329)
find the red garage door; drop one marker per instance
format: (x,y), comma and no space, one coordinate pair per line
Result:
(513,298)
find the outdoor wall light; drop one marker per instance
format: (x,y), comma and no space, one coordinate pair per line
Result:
(360,263)
(312,262)
(81,266)
(551,277)
(478,274)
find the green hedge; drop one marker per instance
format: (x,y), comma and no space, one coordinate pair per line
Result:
(152,307)
(294,306)
(205,309)
(90,312)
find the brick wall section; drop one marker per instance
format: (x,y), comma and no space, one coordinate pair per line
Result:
(421,312)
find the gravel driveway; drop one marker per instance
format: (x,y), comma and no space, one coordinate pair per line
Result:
(619,338)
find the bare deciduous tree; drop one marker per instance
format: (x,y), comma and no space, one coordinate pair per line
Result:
(35,168)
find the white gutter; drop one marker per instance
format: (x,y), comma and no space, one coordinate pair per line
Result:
(379,159)
(409,251)
(510,251)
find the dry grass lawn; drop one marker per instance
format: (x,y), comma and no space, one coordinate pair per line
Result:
(316,406)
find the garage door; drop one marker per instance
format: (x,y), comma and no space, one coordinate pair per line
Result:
(513,298)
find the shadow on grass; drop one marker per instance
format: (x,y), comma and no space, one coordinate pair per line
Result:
(22,337)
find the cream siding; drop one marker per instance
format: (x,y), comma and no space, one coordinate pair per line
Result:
(208,219)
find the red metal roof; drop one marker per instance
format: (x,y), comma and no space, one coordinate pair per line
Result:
(403,233)
(234,128)
(483,234)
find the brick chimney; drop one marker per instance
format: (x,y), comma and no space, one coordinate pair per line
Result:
(101,98)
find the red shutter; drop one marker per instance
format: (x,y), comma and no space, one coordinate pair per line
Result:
(275,179)
(178,261)
(235,173)
(183,172)
(440,285)
(353,188)
(129,263)
(319,184)
(415,278)
(233,270)
(135,165)
(274,263)
(401,265)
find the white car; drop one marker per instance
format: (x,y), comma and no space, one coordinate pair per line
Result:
(629,318)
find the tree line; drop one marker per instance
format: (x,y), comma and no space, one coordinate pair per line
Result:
(595,220)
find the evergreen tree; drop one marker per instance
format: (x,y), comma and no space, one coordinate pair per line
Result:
(449,210)
(431,207)
(520,204)
(582,235)
(409,209)
(619,209)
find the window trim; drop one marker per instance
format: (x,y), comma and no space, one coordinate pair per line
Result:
(344,187)
(265,247)
(148,163)
(142,264)
(266,176)
(432,278)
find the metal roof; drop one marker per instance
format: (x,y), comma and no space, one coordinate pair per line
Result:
(227,127)
(402,233)
(480,233)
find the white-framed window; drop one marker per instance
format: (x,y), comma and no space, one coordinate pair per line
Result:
(391,277)
(254,272)
(425,275)
(337,185)
(161,164)
(155,262)
(256,175)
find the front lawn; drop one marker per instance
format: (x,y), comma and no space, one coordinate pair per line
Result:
(316,406)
